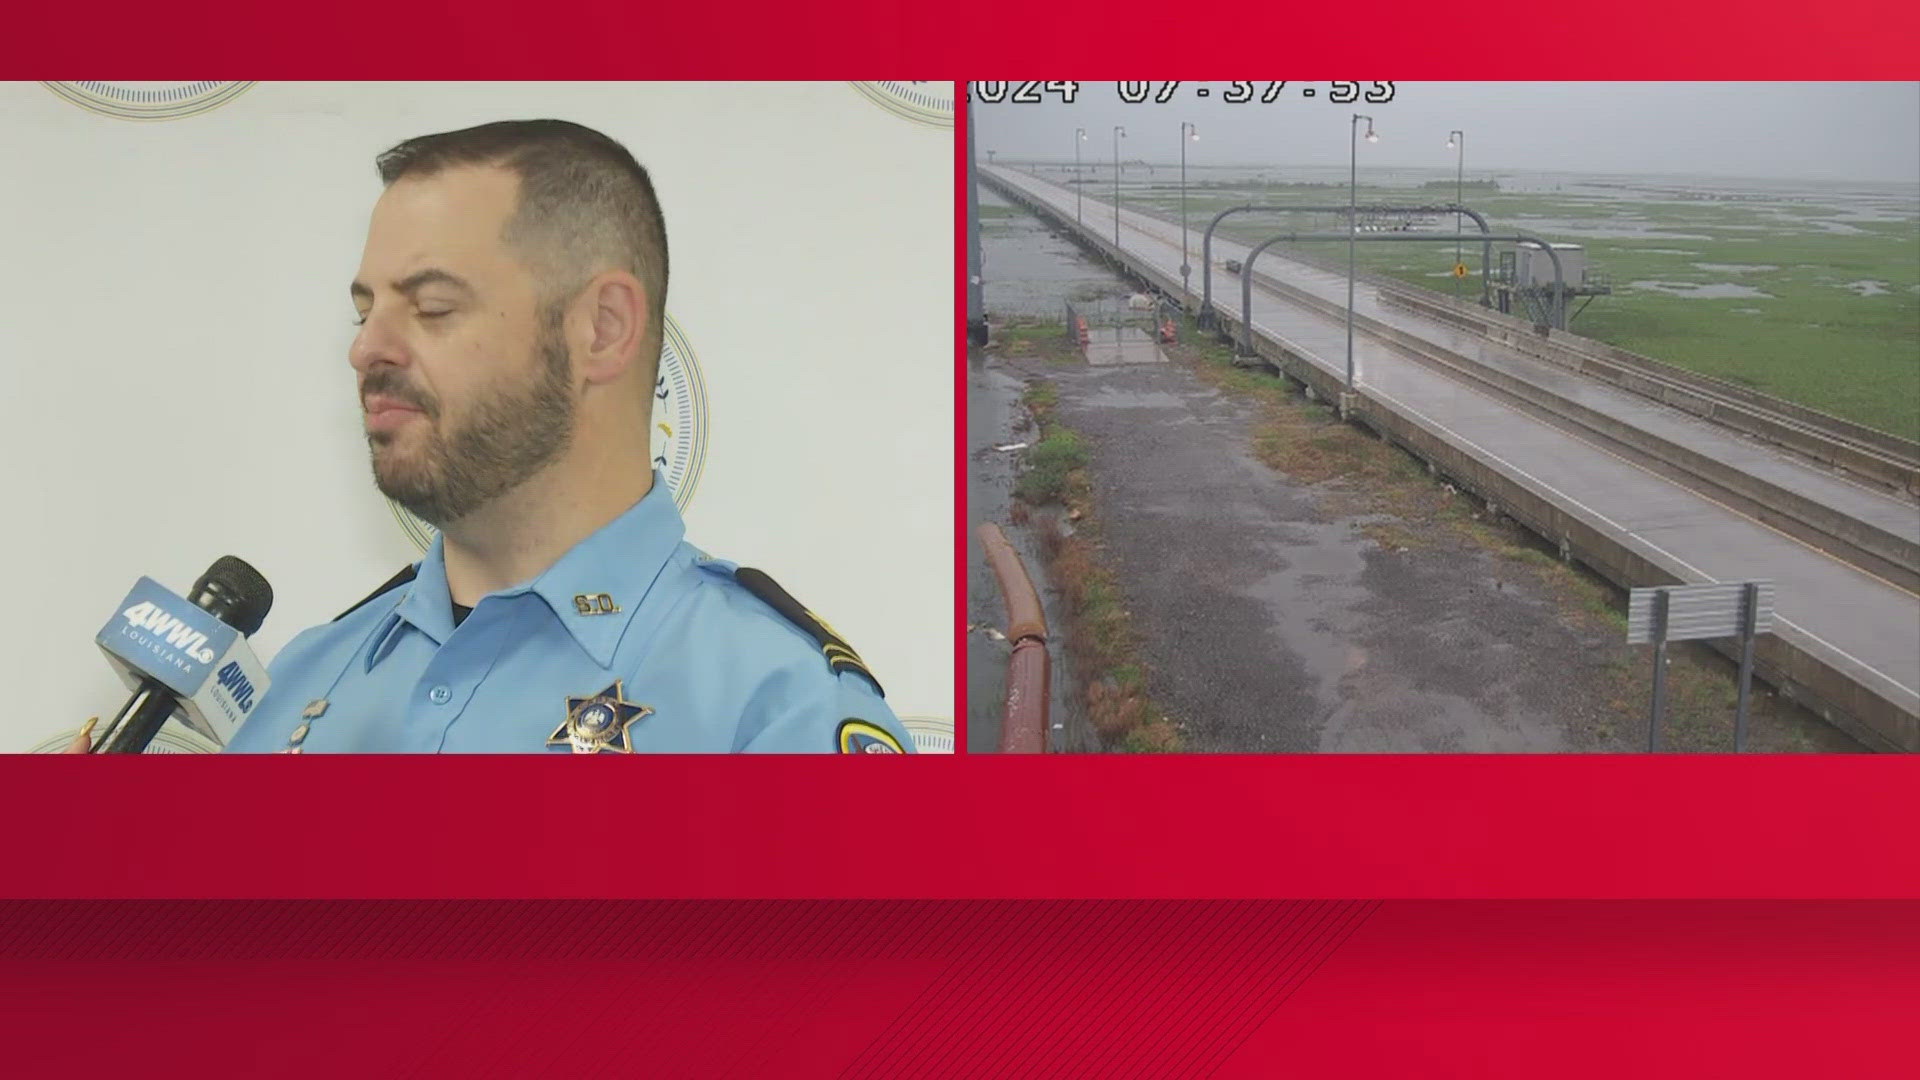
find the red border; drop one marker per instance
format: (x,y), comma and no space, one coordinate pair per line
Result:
(1233,827)
(963,989)
(612,39)
(1428,989)
(980,826)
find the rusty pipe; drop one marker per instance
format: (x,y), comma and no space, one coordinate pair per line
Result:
(1023,729)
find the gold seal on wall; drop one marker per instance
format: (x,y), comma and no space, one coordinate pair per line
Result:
(149,100)
(929,103)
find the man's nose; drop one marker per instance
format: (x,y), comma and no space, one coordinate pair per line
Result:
(378,342)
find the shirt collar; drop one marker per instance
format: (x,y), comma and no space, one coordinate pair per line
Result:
(614,567)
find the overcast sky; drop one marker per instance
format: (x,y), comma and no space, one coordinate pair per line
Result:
(1834,131)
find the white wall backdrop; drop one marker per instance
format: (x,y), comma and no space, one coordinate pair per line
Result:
(174,323)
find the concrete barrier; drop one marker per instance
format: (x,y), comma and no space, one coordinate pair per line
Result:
(1862,451)
(1887,554)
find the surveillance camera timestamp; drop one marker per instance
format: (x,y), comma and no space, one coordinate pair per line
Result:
(1034,92)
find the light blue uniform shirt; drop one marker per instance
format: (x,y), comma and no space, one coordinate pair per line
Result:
(690,662)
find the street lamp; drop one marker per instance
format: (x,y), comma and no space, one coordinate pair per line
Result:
(1353,222)
(1188,133)
(1118,134)
(1458,140)
(1079,136)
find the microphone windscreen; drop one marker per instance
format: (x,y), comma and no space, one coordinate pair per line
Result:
(234,592)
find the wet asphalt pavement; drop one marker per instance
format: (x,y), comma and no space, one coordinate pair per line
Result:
(1266,624)
(1273,626)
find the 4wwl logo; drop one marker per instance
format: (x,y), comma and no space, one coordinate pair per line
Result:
(154,619)
(234,679)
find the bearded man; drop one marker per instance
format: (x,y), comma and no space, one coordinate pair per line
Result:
(512,305)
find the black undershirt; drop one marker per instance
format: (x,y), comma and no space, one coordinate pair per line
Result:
(460,614)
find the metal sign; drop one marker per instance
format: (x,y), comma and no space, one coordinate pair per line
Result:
(1697,611)
(1460,270)
(1741,609)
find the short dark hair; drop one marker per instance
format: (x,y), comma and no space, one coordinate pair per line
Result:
(585,204)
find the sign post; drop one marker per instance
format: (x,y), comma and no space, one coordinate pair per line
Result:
(1749,615)
(1660,605)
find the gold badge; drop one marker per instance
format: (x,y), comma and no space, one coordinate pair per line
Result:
(599,723)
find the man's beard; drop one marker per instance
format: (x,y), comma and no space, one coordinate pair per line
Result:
(498,445)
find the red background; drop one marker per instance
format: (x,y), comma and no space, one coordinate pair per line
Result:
(897,976)
(981,827)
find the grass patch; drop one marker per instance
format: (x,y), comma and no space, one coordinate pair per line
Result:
(1056,470)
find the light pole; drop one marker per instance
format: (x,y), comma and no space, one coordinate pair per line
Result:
(1188,133)
(1118,134)
(1079,136)
(1458,140)
(976,308)
(1353,222)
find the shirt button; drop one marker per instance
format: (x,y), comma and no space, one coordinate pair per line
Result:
(439,695)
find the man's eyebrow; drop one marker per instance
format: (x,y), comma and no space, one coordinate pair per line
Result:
(431,276)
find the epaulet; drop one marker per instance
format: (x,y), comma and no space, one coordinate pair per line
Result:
(398,579)
(840,655)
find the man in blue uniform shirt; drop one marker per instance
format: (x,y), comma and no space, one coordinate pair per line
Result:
(512,302)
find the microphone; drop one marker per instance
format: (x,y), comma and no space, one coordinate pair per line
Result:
(188,656)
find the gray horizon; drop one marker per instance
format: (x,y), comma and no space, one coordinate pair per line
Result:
(1823,131)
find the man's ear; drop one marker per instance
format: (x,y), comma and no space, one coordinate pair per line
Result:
(613,309)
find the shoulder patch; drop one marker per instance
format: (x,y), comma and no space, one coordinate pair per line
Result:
(394,582)
(840,655)
(860,737)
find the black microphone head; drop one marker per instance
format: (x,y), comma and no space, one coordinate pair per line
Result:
(234,593)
